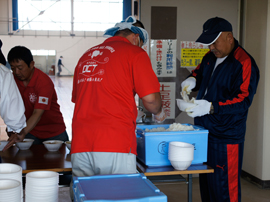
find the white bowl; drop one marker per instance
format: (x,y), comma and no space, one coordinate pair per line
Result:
(180,151)
(10,168)
(3,143)
(183,105)
(53,145)
(25,144)
(68,144)
(180,165)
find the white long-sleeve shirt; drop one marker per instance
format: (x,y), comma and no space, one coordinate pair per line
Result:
(11,103)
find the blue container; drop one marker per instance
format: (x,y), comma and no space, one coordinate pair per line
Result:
(111,188)
(152,147)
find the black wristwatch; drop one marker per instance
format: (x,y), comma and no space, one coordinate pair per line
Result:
(212,109)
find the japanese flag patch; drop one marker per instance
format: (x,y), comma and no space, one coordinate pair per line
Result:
(43,100)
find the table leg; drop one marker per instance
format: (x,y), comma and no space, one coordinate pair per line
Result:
(189,187)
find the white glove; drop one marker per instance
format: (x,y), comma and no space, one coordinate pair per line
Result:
(188,84)
(161,117)
(202,108)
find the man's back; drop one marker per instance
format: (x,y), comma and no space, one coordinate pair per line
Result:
(105,82)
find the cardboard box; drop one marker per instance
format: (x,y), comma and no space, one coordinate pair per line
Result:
(152,147)
(111,188)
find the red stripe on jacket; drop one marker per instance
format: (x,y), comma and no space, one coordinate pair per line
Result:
(232,158)
(246,67)
(193,71)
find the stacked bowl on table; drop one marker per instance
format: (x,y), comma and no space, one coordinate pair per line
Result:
(41,186)
(10,190)
(11,175)
(181,155)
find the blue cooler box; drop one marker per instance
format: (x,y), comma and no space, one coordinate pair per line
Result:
(152,147)
(111,188)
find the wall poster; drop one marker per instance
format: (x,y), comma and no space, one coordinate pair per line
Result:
(167,91)
(163,57)
(192,53)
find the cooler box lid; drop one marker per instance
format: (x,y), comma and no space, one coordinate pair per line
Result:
(109,188)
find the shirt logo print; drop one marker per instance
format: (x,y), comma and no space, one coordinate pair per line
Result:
(32,97)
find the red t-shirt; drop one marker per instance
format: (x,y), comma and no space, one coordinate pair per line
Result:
(106,79)
(40,94)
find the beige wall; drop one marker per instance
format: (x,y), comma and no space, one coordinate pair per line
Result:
(257,43)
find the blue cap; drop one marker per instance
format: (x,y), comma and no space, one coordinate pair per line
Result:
(212,29)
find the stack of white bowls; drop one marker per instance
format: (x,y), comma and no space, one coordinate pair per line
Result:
(181,155)
(13,172)
(41,186)
(10,190)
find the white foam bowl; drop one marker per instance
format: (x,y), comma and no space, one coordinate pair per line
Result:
(25,144)
(183,105)
(53,145)
(9,184)
(10,188)
(3,143)
(180,165)
(68,144)
(42,175)
(10,168)
(12,172)
(180,151)
(42,178)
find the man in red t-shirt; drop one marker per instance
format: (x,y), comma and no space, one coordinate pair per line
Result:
(44,119)
(106,79)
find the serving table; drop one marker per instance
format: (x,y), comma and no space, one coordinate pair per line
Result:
(170,171)
(38,158)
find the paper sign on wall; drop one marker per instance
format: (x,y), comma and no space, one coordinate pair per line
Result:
(167,91)
(163,57)
(192,53)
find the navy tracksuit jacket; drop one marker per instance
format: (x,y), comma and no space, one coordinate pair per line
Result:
(230,89)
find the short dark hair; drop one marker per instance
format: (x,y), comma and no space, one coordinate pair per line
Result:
(20,53)
(138,23)
(126,32)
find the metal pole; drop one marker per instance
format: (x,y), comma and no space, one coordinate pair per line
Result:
(72,18)
(189,187)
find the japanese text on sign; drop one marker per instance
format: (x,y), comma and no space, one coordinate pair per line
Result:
(163,57)
(192,53)
(167,91)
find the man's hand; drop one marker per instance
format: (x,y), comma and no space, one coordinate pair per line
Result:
(202,108)
(160,117)
(13,138)
(188,84)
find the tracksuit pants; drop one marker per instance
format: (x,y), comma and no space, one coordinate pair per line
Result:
(224,184)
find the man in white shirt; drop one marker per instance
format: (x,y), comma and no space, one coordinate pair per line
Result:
(11,103)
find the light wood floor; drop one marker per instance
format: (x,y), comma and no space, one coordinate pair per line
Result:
(63,87)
